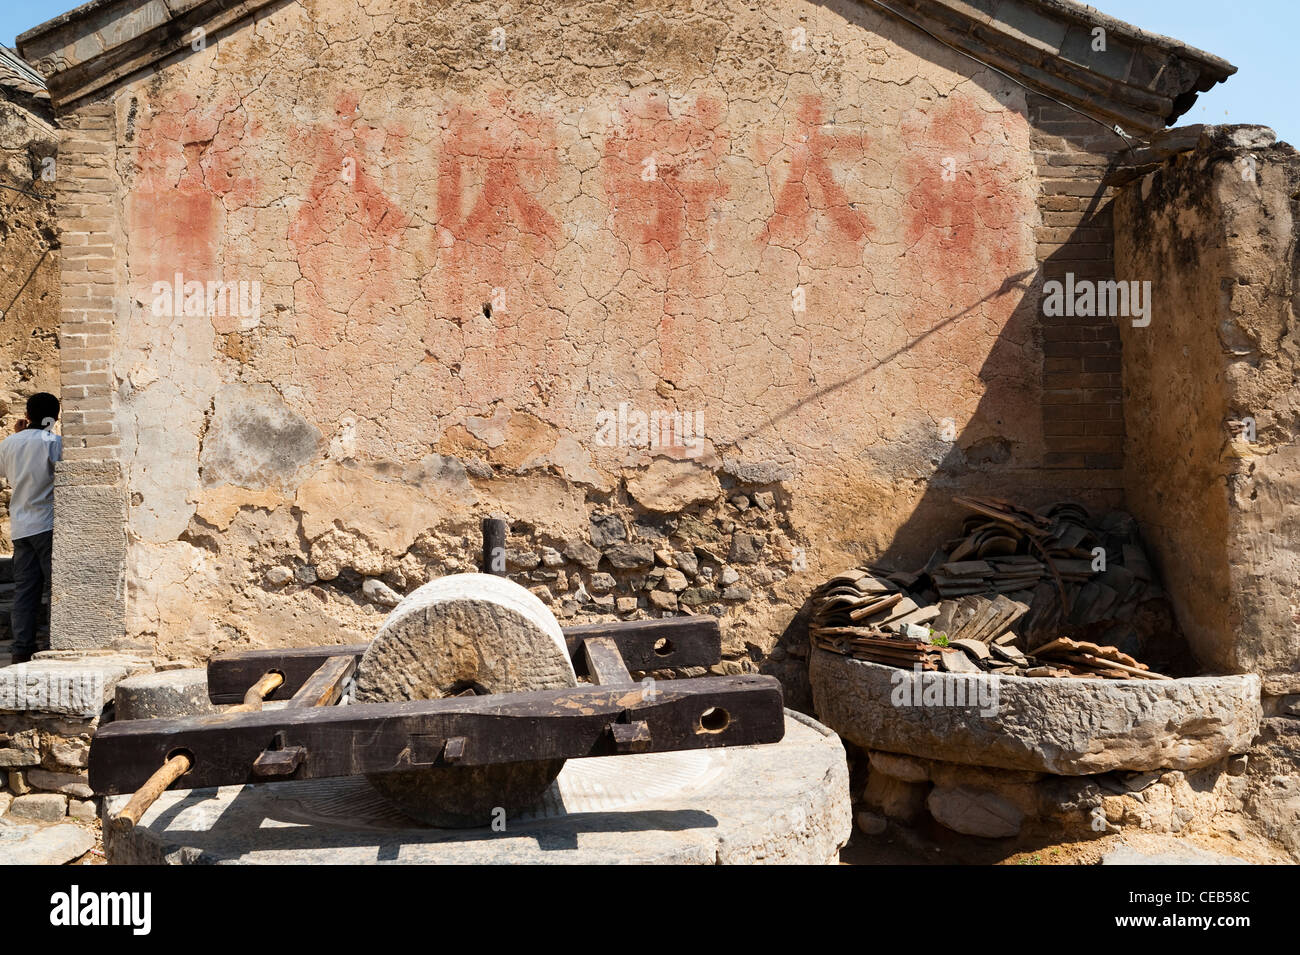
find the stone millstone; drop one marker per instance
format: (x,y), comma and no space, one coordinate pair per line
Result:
(465,632)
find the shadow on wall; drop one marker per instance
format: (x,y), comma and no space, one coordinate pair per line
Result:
(1074,451)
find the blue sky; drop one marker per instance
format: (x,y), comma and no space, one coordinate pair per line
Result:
(1258,36)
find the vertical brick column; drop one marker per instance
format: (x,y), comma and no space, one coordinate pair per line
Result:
(1083,411)
(88,590)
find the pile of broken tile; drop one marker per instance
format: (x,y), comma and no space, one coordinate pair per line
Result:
(994,599)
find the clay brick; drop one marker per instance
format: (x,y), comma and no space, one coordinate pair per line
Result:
(88,378)
(1077,380)
(1082,234)
(1071,187)
(1107,363)
(75,298)
(1083,348)
(1077,412)
(83,245)
(83,404)
(1096,444)
(95,416)
(75,320)
(1062,203)
(1054,429)
(1065,365)
(71,146)
(1072,332)
(1080,218)
(100,441)
(1077,249)
(1075,159)
(97,427)
(91,272)
(1057,268)
(1054,459)
(1105,461)
(89,198)
(95,225)
(79,453)
(1104,427)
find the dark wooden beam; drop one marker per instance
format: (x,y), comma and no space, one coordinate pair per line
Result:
(325,686)
(667,644)
(604,662)
(494,546)
(317,742)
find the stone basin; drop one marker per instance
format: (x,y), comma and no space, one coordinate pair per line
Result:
(1040,724)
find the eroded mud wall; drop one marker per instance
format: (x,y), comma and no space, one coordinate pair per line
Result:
(1212,395)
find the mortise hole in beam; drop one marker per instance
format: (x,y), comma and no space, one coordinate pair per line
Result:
(663,647)
(714,720)
(172,754)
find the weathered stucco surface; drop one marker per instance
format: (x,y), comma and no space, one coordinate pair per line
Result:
(1212,392)
(821,258)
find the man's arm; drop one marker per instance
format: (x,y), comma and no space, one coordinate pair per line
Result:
(55,449)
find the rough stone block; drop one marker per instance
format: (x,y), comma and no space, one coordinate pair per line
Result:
(88,608)
(83,810)
(73,686)
(1180,854)
(11,758)
(46,807)
(71,784)
(67,753)
(893,797)
(900,767)
(44,845)
(168,695)
(973,812)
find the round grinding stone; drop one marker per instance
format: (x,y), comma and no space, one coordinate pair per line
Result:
(465,632)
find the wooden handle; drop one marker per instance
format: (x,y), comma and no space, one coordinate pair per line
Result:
(258,692)
(180,764)
(148,794)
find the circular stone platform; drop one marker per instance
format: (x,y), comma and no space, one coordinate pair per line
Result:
(785,802)
(1041,724)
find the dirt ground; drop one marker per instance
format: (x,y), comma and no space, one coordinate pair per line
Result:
(96,854)
(934,845)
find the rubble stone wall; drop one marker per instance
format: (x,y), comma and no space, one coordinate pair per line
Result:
(29,264)
(50,709)
(1212,390)
(465,255)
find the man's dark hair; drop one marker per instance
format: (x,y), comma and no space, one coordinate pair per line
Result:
(42,410)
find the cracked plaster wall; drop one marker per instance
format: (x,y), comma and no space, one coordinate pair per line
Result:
(466,255)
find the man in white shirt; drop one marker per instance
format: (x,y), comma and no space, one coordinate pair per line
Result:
(27,462)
